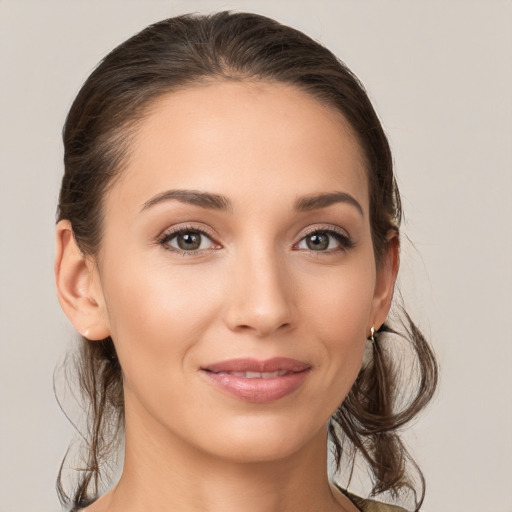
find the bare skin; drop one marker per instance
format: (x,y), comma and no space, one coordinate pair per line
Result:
(282,266)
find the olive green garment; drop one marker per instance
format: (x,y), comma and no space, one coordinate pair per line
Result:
(362,504)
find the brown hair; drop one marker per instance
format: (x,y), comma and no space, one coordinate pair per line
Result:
(182,51)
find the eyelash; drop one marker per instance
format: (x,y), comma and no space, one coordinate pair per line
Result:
(341,237)
(166,237)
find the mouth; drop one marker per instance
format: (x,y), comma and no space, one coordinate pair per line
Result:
(257,381)
(255,375)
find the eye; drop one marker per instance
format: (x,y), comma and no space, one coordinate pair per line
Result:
(187,240)
(325,240)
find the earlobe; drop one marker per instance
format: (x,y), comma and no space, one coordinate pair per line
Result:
(385,282)
(78,286)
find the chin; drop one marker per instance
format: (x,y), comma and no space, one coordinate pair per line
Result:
(263,441)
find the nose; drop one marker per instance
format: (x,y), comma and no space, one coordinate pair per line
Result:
(261,300)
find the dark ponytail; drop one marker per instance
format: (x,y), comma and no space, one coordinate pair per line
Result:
(180,52)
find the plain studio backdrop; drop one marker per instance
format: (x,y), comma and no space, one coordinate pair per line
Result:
(440,76)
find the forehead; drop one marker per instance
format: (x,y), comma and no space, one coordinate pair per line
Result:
(243,137)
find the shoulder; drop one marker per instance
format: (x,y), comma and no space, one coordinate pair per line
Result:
(81,505)
(375,506)
(366,505)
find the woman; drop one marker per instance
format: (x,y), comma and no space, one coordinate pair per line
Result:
(227,246)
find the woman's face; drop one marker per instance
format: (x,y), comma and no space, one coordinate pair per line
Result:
(237,274)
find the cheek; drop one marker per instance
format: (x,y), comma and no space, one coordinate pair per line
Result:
(341,303)
(156,314)
(339,316)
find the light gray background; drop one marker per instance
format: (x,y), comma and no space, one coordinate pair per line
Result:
(440,75)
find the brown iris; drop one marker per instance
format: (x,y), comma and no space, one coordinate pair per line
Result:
(317,241)
(189,240)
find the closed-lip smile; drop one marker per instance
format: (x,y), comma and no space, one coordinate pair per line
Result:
(255,380)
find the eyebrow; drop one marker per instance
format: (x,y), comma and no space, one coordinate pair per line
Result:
(195,197)
(223,203)
(317,201)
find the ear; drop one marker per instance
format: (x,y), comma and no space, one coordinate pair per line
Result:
(78,286)
(385,281)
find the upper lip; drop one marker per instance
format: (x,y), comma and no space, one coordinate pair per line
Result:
(254,365)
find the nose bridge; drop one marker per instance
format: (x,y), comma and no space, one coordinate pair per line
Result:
(260,300)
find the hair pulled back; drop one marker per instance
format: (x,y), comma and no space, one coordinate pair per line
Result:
(181,52)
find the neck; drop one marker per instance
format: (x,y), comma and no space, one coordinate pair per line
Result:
(162,472)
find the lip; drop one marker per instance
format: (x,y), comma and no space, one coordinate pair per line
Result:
(289,375)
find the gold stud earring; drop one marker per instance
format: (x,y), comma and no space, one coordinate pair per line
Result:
(368,349)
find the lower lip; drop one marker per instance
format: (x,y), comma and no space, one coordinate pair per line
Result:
(258,390)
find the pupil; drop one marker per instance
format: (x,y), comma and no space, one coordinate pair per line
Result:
(189,241)
(318,242)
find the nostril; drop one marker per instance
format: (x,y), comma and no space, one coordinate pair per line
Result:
(262,329)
